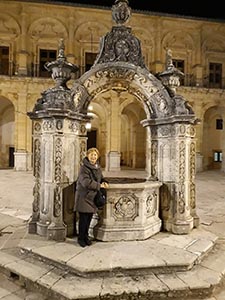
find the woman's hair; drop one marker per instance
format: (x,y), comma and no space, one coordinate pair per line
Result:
(93,150)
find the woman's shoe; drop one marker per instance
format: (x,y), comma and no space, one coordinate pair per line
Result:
(88,242)
(82,243)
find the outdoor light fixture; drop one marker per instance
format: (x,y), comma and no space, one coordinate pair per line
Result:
(88,125)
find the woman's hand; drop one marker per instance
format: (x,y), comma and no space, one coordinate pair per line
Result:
(104,185)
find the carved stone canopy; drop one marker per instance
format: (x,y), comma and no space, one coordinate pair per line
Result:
(120,45)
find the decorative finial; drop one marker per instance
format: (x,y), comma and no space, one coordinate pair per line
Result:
(171,76)
(60,68)
(61,49)
(169,61)
(121,12)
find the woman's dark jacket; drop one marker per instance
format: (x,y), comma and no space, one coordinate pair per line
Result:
(87,187)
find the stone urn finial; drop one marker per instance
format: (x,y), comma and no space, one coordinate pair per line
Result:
(171,76)
(57,98)
(121,12)
(60,68)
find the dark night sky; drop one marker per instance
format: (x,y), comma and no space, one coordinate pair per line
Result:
(209,9)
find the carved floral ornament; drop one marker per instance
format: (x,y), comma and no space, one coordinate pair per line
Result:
(44,28)
(126,207)
(121,12)
(9,26)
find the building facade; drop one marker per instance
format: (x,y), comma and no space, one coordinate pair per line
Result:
(29,37)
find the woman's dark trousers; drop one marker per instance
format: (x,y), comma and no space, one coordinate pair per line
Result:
(84,224)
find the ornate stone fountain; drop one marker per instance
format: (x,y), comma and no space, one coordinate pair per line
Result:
(135,211)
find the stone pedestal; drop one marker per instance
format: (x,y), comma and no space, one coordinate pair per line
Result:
(22,160)
(113,161)
(131,212)
(22,63)
(199,162)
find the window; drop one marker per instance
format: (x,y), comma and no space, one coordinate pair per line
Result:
(179,64)
(219,124)
(89,60)
(4,60)
(215,75)
(46,56)
(217,156)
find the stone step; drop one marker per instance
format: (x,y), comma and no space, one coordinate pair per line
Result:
(160,254)
(11,289)
(54,282)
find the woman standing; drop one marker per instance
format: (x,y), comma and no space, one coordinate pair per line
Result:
(86,189)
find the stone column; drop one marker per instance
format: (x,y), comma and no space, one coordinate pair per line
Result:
(175,166)
(56,148)
(21,155)
(56,129)
(199,133)
(23,55)
(158,64)
(70,55)
(113,156)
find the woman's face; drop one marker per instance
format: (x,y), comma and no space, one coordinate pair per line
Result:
(92,157)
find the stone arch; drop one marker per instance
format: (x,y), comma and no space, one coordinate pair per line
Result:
(9,27)
(178,40)
(181,43)
(147,41)
(98,124)
(126,103)
(43,28)
(169,123)
(7,129)
(210,43)
(44,33)
(85,29)
(143,35)
(125,77)
(133,135)
(213,137)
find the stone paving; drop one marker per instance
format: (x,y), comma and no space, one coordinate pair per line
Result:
(167,251)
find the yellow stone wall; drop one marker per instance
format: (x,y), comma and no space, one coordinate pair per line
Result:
(27,27)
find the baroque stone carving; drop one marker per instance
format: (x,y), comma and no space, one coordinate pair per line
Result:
(126,208)
(151,204)
(73,126)
(58,97)
(120,45)
(192,176)
(80,97)
(181,106)
(37,166)
(48,125)
(37,126)
(82,150)
(58,175)
(154,155)
(59,124)
(121,11)
(181,197)
(181,200)
(166,130)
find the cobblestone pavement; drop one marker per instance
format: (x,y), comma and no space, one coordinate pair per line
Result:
(16,202)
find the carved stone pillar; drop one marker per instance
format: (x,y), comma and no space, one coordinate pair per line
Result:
(56,147)
(173,163)
(57,132)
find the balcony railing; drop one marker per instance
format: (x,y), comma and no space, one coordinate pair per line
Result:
(189,80)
